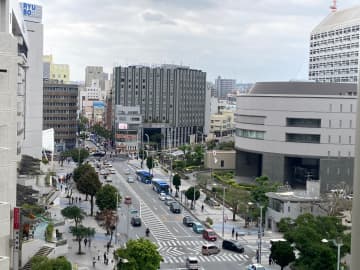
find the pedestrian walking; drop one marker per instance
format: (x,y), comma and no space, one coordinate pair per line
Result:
(85,241)
(257,255)
(202,208)
(98,255)
(104,257)
(233,232)
(108,246)
(236,235)
(61,187)
(94,261)
(76,199)
(79,199)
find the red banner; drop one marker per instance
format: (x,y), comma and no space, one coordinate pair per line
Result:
(16,218)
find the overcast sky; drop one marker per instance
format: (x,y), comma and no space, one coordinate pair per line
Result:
(248,40)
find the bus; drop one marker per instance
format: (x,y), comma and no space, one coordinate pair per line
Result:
(160,186)
(143,176)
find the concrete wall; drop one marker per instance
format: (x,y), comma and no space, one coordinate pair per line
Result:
(273,166)
(227,157)
(29,248)
(248,164)
(34,92)
(335,171)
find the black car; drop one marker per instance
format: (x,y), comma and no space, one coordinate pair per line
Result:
(188,221)
(136,221)
(175,208)
(233,245)
(98,154)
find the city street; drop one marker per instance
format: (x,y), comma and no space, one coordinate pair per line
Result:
(175,241)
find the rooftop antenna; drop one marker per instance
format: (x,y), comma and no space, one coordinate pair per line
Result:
(333,7)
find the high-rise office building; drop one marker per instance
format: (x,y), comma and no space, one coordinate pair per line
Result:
(334,47)
(224,86)
(171,100)
(60,112)
(14,49)
(95,73)
(34,86)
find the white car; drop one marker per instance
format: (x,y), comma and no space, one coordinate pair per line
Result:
(162,196)
(130,179)
(103,172)
(255,266)
(112,170)
(127,171)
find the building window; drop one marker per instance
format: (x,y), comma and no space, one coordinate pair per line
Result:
(251,134)
(340,123)
(302,138)
(303,122)
(289,209)
(222,164)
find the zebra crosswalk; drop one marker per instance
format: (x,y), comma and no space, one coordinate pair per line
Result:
(175,243)
(157,228)
(226,257)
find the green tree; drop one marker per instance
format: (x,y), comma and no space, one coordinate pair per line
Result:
(237,199)
(106,197)
(73,212)
(141,254)
(189,193)
(83,123)
(150,163)
(81,170)
(76,153)
(80,233)
(44,263)
(282,253)
(177,183)
(89,184)
(101,131)
(263,186)
(306,234)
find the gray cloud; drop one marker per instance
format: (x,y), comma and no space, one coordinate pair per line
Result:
(153,16)
(249,40)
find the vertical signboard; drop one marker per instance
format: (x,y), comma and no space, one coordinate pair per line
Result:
(16,237)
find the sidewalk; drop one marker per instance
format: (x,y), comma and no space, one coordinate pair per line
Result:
(98,242)
(248,236)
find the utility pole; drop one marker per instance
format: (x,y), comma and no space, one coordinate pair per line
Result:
(260,234)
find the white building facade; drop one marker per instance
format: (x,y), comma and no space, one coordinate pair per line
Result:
(14,48)
(286,132)
(34,87)
(334,47)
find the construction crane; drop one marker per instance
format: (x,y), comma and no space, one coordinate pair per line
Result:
(333,7)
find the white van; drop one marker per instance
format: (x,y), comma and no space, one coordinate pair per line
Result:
(192,263)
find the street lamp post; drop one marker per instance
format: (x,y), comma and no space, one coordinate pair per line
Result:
(260,232)
(338,243)
(223,213)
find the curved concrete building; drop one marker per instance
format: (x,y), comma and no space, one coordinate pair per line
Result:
(294,131)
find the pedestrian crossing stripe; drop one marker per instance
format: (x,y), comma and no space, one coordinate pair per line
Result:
(213,258)
(181,243)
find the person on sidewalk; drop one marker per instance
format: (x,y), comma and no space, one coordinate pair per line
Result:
(233,232)
(99,255)
(104,257)
(94,261)
(85,241)
(236,236)
(202,208)
(108,246)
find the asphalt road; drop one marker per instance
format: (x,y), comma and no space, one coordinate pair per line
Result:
(175,241)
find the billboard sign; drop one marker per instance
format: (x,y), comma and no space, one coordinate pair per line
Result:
(16,218)
(31,12)
(123,126)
